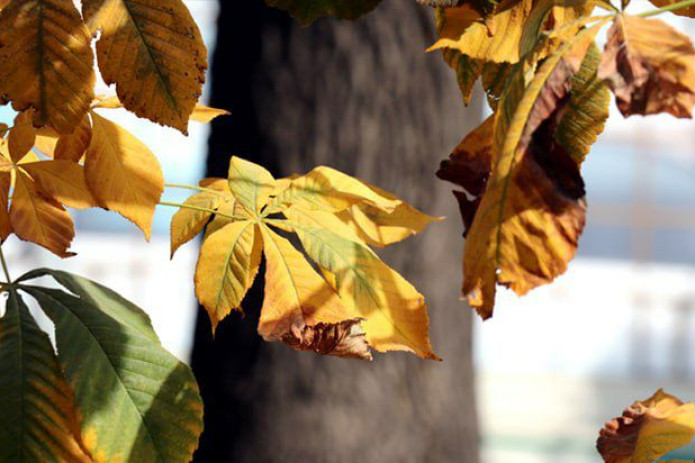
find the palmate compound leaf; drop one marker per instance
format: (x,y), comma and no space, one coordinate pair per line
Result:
(136,401)
(524,207)
(37,412)
(647,430)
(355,298)
(153,51)
(308,11)
(650,67)
(46,61)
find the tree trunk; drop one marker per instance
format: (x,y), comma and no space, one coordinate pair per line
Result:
(365,98)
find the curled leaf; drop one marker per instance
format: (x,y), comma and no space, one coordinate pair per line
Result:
(650,67)
(647,430)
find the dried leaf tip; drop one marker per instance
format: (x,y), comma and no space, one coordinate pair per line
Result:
(345,339)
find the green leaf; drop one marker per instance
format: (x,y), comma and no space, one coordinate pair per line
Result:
(36,404)
(138,402)
(308,11)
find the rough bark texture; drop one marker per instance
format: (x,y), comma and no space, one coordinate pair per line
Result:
(365,98)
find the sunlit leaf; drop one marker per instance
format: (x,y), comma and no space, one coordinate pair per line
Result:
(153,51)
(46,61)
(684,11)
(123,174)
(327,292)
(64,181)
(40,219)
(227,266)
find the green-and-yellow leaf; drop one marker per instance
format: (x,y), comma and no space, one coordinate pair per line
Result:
(227,266)
(123,174)
(46,61)
(137,401)
(188,222)
(250,184)
(331,190)
(39,422)
(153,51)
(394,312)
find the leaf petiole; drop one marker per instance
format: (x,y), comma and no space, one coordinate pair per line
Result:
(201,209)
(4,266)
(663,9)
(192,187)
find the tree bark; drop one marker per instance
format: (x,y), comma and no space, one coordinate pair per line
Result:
(365,98)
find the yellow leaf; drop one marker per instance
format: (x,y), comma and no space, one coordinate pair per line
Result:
(187,223)
(5,226)
(154,54)
(650,67)
(227,266)
(297,298)
(22,135)
(64,181)
(46,61)
(201,113)
(73,146)
(123,174)
(523,237)
(509,32)
(647,430)
(380,228)
(250,184)
(329,189)
(39,219)
(205,114)
(226,212)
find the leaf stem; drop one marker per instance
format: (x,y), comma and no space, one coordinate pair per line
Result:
(4,266)
(201,209)
(663,9)
(192,187)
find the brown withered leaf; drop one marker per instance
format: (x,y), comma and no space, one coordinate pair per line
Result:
(647,430)
(532,211)
(344,339)
(650,67)
(469,167)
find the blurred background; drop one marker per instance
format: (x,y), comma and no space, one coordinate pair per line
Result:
(550,368)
